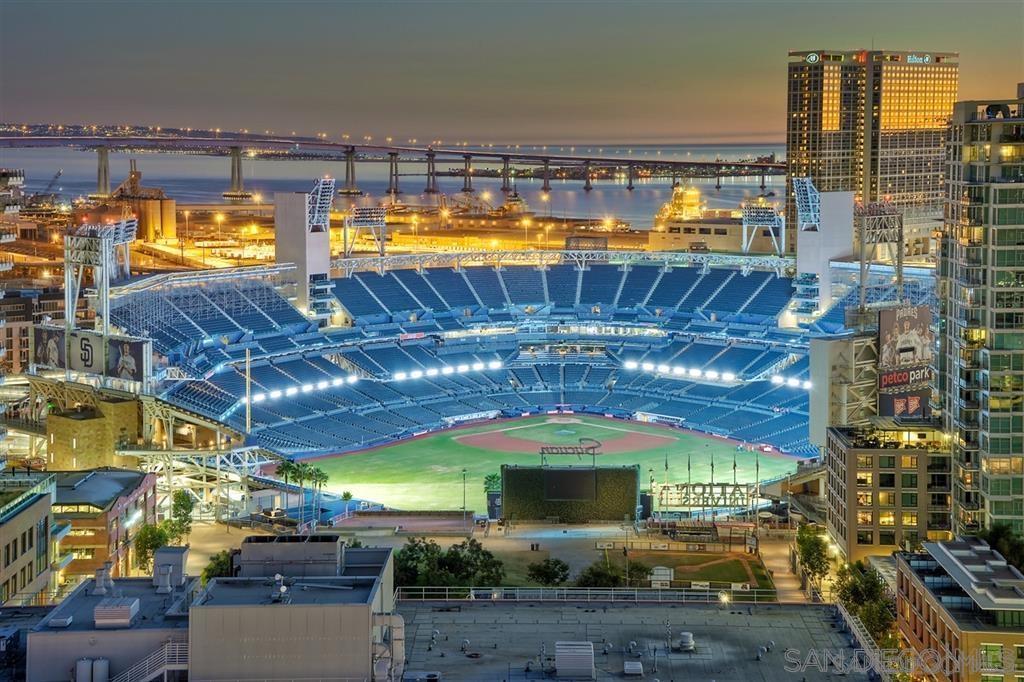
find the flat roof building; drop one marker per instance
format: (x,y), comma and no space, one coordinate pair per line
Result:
(291,625)
(963,601)
(888,487)
(25,532)
(105,508)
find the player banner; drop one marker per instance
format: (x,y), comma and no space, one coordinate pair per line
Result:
(905,352)
(127,358)
(48,347)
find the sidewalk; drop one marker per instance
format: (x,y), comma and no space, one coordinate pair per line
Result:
(775,554)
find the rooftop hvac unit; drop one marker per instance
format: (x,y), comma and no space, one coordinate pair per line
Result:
(575,659)
(115,612)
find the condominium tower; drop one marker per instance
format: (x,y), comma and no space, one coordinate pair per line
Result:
(872,122)
(980,369)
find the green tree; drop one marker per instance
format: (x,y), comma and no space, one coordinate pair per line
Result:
(639,575)
(416,562)
(422,562)
(1000,537)
(878,620)
(148,539)
(857,584)
(179,525)
(346,496)
(813,553)
(548,572)
(220,566)
(492,483)
(354,543)
(600,574)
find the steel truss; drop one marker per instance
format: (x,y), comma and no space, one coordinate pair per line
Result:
(761,215)
(372,220)
(808,205)
(879,224)
(219,480)
(272,273)
(460,259)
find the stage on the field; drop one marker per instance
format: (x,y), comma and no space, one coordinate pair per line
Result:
(426,472)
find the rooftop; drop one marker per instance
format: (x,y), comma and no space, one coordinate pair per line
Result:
(155,610)
(888,434)
(18,490)
(503,637)
(981,572)
(98,487)
(315,590)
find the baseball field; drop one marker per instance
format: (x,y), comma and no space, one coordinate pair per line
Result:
(425,473)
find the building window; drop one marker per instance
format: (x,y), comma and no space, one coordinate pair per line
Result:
(864,518)
(908,499)
(886,480)
(908,461)
(864,479)
(864,498)
(887,462)
(909,480)
(864,537)
(886,518)
(909,518)
(992,657)
(864,461)
(886,499)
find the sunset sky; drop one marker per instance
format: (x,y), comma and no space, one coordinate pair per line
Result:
(527,71)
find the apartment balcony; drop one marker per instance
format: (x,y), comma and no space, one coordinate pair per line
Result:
(940,525)
(59,530)
(61,561)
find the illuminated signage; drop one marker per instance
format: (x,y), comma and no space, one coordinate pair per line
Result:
(689,495)
(919,59)
(812,58)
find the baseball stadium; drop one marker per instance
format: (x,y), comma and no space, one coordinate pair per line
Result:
(672,362)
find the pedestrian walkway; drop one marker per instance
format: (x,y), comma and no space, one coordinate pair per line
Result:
(775,554)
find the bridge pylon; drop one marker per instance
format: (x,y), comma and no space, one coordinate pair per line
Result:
(350,188)
(431,174)
(587,185)
(506,175)
(467,173)
(237,191)
(102,173)
(547,176)
(393,174)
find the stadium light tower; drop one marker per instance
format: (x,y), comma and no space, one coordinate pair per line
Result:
(758,215)
(879,224)
(302,236)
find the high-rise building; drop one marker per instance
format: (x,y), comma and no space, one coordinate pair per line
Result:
(980,370)
(872,122)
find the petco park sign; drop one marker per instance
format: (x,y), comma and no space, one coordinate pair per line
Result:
(587,446)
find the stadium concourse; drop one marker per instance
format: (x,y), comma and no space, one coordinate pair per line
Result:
(426,348)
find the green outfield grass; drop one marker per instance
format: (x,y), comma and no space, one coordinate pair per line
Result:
(425,473)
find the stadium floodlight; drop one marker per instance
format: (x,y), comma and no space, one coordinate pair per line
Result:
(274,395)
(664,369)
(462,369)
(806,385)
(647,366)
(352,378)
(401,376)
(630,364)
(337,381)
(776,379)
(728,376)
(291,390)
(792,382)
(432,372)
(446,370)
(679,371)
(711,374)
(416,374)
(694,372)
(477,366)
(494,364)
(307,388)
(259,397)
(321,385)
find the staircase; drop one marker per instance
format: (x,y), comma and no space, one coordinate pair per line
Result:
(171,656)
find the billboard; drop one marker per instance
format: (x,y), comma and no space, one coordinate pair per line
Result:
(570,484)
(905,404)
(905,337)
(905,352)
(85,352)
(48,347)
(126,358)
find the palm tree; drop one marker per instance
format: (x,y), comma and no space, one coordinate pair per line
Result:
(286,470)
(318,477)
(302,472)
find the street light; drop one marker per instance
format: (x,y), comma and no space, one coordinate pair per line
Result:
(220,222)
(464,500)
(181,240)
